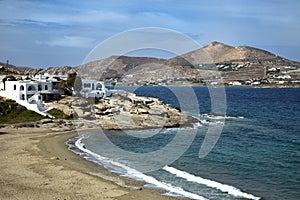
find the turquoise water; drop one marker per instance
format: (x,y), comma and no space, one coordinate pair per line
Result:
(256,156)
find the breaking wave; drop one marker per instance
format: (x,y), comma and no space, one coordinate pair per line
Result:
(126,171)
(213,184)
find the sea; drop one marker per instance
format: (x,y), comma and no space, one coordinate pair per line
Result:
(246,146)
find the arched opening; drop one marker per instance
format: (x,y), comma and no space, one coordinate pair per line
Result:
(46,87)
(23,97)
(31,88)
(22,87)
(39,87)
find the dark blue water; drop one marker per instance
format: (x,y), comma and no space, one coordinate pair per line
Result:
(258,153)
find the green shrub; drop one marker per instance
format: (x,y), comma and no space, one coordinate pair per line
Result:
(59,114)
(11,113)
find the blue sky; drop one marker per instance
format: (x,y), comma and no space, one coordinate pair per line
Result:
(53,33)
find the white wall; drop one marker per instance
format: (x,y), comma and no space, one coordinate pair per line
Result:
(89,85)
(1,86)
(12,89)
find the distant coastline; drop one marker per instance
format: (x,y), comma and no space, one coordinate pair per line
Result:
(213,64)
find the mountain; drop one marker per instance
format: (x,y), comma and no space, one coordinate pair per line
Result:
(214,62)
(242,63)
(217,52)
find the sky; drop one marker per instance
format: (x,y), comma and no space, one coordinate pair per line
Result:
(40,33)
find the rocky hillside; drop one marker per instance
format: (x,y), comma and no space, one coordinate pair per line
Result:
(9,69)
(217,52)
(16,70)
(19,70)
(203,66)
(115,66)
(240,63)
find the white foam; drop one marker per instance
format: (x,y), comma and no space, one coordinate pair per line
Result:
(206,122)
(220,117)
(213,184)
(197,125)
(140,176)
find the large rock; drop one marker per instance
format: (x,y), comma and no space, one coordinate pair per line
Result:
(140,112)
(127,111)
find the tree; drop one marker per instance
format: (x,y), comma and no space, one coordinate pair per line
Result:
(78,84)
(64,88)
(73,83)
(71,79)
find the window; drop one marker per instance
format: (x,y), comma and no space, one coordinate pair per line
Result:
(15,87)
(22,87)
(54,86)
(46,87)
(23,97)
(87,85)
(40,88)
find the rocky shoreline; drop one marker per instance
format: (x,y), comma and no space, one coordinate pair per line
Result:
(122,111)
(128,111)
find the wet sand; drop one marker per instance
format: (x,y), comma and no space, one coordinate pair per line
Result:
(36,164)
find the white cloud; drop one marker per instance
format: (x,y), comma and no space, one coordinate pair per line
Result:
(51,13)
(44,13)
(81,24)
(69,41)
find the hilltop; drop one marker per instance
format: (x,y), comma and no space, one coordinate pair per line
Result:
(212,63)
(217,52)
(8,70)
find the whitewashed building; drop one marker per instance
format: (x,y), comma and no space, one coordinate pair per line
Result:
(94,89)
(34,92)
(88,85)
(25,90)
(30,93)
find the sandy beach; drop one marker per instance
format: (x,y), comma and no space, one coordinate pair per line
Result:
(36,164)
